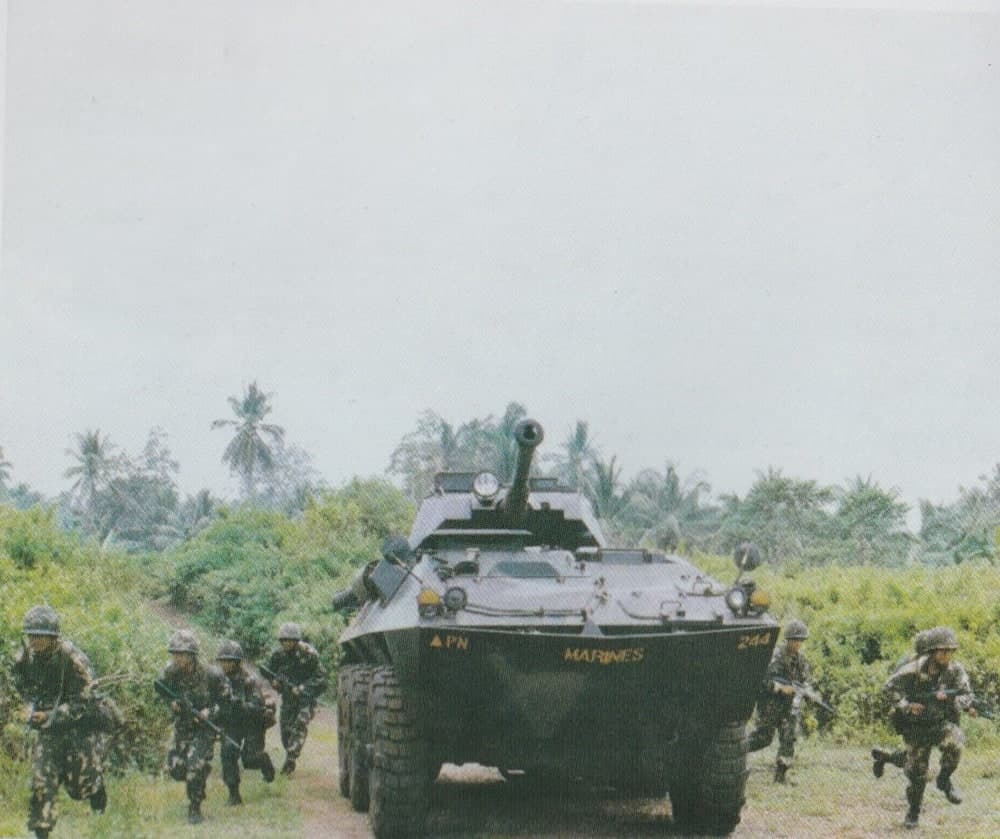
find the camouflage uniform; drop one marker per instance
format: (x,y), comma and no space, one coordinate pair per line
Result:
(250,713)
(915,682)
(68,748)
(897,757)
(190,755)
(777,710)
(301,667)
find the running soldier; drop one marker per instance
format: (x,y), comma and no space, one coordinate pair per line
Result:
(927,696)
(56,680)
(880,756)
(197,693)
(296,671)
(250,713)
(776,709)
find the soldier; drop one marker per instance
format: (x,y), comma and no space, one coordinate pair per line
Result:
(197,693)
(296,671)
(776,707)
(880,756)
(927,695)
(56,679)
(251,712)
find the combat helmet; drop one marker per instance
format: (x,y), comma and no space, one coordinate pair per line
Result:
(41,620)
(229,651)
(940,638)
(796,631)
(920,642)
(290,632)
(183,641)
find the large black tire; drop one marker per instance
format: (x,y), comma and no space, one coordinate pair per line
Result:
(400,790)
(708,797)
(344,679)
(360,740)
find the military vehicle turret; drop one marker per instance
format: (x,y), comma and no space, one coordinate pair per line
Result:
(505,632)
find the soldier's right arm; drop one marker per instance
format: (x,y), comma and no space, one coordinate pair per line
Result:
(777,669)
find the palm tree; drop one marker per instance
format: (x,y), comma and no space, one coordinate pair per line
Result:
(95,466)
(247,454)
(578,452)
(5,467)
(666,508)
(603,489)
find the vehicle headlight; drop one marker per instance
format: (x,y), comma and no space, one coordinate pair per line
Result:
(455,598)
(736,599)
(485,486)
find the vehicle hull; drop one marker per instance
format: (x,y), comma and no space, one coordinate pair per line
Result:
(594,704)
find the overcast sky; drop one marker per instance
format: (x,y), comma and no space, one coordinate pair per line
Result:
(728,236)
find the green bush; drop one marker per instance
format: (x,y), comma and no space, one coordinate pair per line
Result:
(100,602)
(251,570)
(862,620)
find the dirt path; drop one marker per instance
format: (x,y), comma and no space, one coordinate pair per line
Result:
(832,794)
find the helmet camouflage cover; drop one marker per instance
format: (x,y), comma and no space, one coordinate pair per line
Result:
(41,620)
(796,631)
(290,632)
(229,651)
(940,638)
(183,641)
(920,642)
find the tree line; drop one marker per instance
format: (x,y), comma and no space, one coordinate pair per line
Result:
(133,501)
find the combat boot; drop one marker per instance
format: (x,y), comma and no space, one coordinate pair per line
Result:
(267,768)
(234,795)
(879,757)
(914,796)
(194,813)
(779,773)
(946,786)
(289,766)
(99,800)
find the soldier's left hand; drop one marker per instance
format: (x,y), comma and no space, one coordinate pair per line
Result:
(297,690)
(203,713)
(941,696)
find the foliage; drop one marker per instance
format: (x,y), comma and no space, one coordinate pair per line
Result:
(437,446)
(248,454)
(862,620)
(97,597)
(871,522)
(5,467)
(785,517)
(251,569)
(966,529)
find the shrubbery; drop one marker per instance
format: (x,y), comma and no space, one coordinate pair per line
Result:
(99,599)
(862,620)
(250,570)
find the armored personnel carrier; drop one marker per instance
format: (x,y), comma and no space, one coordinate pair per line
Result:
(505,632)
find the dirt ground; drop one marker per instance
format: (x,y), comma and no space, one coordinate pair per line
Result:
(832,794)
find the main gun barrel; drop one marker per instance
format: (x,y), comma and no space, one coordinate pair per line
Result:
(527,434)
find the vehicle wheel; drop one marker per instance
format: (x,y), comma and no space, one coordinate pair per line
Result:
(344,680)
(360,740)
(400,791)
(708,800)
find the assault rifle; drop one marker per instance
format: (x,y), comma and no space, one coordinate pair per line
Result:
(936,709)
(283,679)
(185,703)
(805,692)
